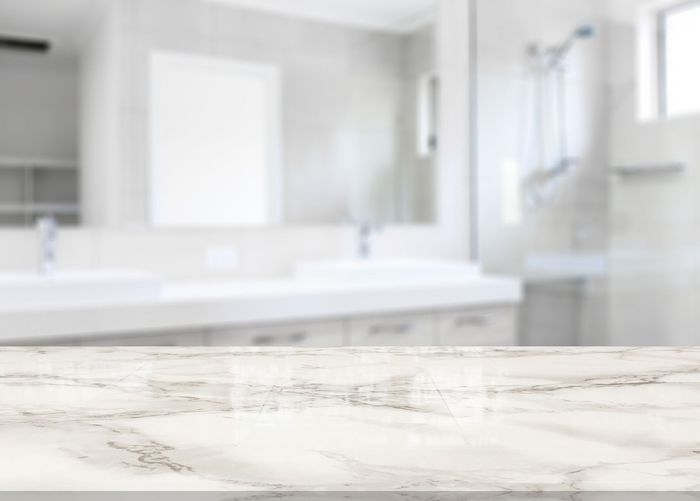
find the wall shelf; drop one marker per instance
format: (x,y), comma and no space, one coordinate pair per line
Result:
(650,169)
(55,209)
(31,187)
(38,163)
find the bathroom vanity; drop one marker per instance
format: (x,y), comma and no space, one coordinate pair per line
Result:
(173,157)
(476,326)
(374,304)
(280,420)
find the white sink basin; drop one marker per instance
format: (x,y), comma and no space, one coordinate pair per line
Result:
(566,266)
(26,290)
(386,271)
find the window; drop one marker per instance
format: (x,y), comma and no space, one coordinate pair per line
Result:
(679,62)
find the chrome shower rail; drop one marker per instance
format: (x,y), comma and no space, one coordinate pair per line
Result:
(645,169)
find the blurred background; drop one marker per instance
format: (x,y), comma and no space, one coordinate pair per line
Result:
(349,172)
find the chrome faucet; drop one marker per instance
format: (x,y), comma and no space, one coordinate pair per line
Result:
(365,229)
(48,235)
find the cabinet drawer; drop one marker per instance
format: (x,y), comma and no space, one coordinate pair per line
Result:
(44,342)
(413,330)
(495,326)
(148,339)
(317,335)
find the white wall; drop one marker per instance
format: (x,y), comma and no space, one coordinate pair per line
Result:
(182,255)
(105,141)
(453,176)
(416,173)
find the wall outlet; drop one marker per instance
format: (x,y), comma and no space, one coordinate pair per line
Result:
(222,259)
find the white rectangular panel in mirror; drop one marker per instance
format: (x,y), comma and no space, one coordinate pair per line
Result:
(214,141)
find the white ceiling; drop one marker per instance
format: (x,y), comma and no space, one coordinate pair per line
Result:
(58,20)
(62,21)
(387,15)
(623,11)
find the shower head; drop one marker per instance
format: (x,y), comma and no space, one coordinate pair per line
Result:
(559,53)
(585,31)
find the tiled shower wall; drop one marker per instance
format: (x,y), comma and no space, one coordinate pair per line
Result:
(645,227)
(574,217)
(655,219)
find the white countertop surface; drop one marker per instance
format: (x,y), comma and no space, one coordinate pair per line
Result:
(210,304)
(432,419)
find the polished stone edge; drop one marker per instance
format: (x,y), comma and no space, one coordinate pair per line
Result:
(350,496)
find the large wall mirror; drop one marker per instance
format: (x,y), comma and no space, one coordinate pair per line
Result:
(211,113)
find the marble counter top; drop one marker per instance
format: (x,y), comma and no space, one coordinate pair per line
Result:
(487,420)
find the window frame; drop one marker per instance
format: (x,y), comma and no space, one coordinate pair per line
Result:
(662,54)
(427,114)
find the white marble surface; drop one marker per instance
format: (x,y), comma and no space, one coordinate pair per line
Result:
(350,419)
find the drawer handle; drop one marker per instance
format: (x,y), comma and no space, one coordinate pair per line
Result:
(263,341)
(395,329)
(296,337)
(474,321)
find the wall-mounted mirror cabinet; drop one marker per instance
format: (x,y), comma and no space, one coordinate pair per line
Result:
(231,113)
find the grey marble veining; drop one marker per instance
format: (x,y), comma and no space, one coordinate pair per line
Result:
(475,420)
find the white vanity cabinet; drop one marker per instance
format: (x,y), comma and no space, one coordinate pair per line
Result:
(482,326)
(314,335)
(491,326)
(494,325)
(64,342)
(189,338)
(184,338)
(404,330)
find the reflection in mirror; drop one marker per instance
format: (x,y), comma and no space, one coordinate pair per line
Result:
(214,158)
(39,67)
(322,120)
(235,112)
